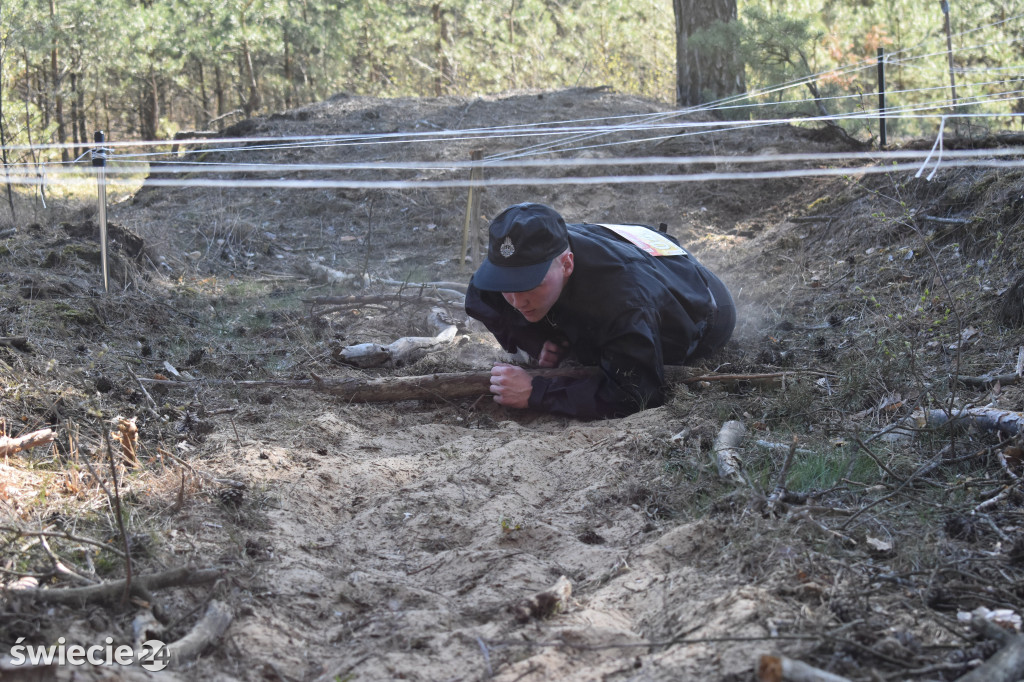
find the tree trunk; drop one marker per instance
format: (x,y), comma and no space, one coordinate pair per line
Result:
(28,123)
(42,102)
(204,102)
(703,77)
(3,133)
(445,72)
(252,102)
(288,98)
(58,101)
(82,134)
(106,111)
(74,115)
(218,85)
(512,43)
(148,113)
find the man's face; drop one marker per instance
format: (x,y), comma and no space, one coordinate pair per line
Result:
(538,301)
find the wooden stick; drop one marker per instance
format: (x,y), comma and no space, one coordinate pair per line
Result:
(947,221)
(59,534)
(452,385)
(811,219)
(779,491)
(111,591)
(455,287)
(206,631)
(470,232)
(14,342)
(10,446)
(359,301)
(116,502)
(150,403)
(988,380)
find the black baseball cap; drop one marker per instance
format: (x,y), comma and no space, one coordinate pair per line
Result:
(522,242)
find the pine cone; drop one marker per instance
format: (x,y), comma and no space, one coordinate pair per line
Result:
(231,497)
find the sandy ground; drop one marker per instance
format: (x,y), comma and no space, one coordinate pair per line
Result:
(407,540)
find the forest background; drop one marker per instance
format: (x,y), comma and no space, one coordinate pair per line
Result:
(147,69)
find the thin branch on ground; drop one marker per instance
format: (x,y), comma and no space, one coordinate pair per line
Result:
(113,590)
(59,534)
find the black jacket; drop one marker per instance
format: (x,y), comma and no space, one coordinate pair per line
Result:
(623,310)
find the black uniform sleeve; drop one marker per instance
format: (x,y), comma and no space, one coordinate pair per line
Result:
(630,379)
(510,329)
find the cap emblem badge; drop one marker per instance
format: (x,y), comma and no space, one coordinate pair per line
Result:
(507,249)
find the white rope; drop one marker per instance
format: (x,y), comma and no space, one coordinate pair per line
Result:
(125,166)
(323,183)
(726,127)
(938,143)
(721,126)
(559,128)
(989,69)
(460,166)
(570,130)
(858,66)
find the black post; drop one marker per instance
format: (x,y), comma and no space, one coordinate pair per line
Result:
(949,50)
(881,97)
(99,161)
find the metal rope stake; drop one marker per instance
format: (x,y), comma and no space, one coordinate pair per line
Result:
(881,97)
(470,231)
(99,161)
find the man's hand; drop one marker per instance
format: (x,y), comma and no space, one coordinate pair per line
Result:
(552,353)
(511,385)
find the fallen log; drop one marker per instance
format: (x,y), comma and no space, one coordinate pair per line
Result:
(727,457)
(20,342)
(11,446)
(452,385)
(402,351)
(113,590)
(204,633)
(323,274)
(989,379)
(1002,379)
(981,418)
(1007,664)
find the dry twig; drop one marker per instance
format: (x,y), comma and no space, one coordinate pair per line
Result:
(779,491)
(109,591)
(11,446)
(54,534)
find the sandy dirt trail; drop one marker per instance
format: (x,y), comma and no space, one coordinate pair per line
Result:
(396,545)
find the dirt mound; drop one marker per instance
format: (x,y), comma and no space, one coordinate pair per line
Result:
(406,541)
